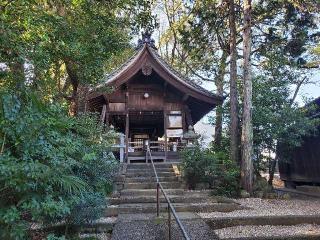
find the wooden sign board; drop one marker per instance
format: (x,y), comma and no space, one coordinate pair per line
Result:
(141,136)
(174,132)
(174,121)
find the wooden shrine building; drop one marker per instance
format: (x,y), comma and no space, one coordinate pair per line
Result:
(150,101)
(301,165)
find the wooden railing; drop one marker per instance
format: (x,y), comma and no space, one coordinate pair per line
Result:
(135,147)
(156,146)
(170,207)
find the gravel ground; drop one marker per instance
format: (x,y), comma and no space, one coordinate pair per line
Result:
(267,231)
(270,207)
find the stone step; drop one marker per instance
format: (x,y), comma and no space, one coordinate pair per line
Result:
(151,179)
(224,222)
(150,170)
(149,192)
(148,174)
(309,189)
(137,208)
(129,217)
(148,165)
(151,228)
(152,185)
(153,199)
(175,161)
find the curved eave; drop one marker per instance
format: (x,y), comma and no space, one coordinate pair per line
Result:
(146,54)
(183,81)
(111,78)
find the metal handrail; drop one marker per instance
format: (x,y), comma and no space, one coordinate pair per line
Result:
(170,207)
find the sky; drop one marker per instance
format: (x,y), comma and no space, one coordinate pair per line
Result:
(311,90)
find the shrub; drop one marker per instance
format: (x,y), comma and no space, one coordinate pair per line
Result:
(211,167)
(50,165)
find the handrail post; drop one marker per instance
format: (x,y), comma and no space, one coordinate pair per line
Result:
(169,221)
(158,200)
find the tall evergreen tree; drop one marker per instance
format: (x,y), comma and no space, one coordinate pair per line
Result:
(247,134)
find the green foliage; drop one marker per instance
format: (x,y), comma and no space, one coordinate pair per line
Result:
(213,168)
(66,43)
(89,207)
(276,117)
(51,165)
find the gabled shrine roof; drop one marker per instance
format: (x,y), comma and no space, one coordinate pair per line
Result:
(147,52)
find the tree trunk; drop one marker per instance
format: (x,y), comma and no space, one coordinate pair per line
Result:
(247,134)
(234,108)
(74,80)
(219,85)
(272,169)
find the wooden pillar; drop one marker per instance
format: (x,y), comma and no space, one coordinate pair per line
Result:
(165,121)
(121,148)
(103,113)
(107,116)
(188,116)
(165,135)
(184,123)
(183,112)
(127,125)
(127,135)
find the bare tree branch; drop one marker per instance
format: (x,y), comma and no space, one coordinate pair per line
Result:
(299,84)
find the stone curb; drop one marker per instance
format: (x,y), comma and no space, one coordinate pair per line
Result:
(217,223)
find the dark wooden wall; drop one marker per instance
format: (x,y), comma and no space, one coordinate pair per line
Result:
(161,95)
(302,164)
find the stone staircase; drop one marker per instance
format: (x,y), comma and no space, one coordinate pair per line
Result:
(139,193)
(203,216)
(136,205)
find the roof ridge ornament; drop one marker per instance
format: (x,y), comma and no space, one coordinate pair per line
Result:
(146,39)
